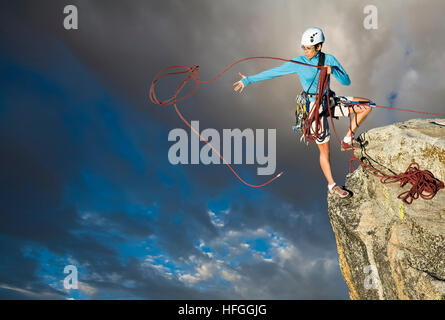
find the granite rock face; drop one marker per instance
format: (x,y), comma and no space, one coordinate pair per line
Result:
(388,249)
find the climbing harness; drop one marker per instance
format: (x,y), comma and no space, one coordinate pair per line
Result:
(303,103)
(423,182)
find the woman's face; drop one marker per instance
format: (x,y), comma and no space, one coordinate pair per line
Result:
(310,51)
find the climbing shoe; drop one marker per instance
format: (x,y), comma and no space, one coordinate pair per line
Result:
(347,146)
(340,192)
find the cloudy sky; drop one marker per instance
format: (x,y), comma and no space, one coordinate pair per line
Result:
(85,174)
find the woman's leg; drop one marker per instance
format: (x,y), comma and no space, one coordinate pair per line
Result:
(325,163)
(360,114)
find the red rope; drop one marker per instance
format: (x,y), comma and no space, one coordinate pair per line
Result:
(423,182)
(434,114)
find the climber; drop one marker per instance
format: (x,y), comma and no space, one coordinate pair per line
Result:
(311,42)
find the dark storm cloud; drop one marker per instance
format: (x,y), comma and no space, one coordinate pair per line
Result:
(51,146)
(20,272)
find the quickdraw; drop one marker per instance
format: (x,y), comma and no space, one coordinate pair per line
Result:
(301,114)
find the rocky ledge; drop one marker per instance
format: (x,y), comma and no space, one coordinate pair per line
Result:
(388,249)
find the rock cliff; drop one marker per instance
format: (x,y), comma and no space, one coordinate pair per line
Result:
(388,249)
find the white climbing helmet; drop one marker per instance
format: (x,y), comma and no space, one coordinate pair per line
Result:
(312,36)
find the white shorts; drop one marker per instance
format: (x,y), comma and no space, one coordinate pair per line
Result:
(340,110)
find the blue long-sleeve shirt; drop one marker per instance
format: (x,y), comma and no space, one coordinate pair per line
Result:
(305,73)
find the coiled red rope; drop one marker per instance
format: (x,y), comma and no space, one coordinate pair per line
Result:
(423,182)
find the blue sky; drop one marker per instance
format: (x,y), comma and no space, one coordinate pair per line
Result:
(86,179)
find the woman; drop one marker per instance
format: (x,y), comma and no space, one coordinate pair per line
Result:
(312,42)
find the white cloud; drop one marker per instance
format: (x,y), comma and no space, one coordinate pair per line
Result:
(189,278)
(216,221)
(230,276)
(87,289)
(30,293)
(203,272)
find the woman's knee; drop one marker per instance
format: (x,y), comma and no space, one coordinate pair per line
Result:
(367,109)
(361,99)
(360,109)
(324,150)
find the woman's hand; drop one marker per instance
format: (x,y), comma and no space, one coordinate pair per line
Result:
(239,84)
(329,69)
